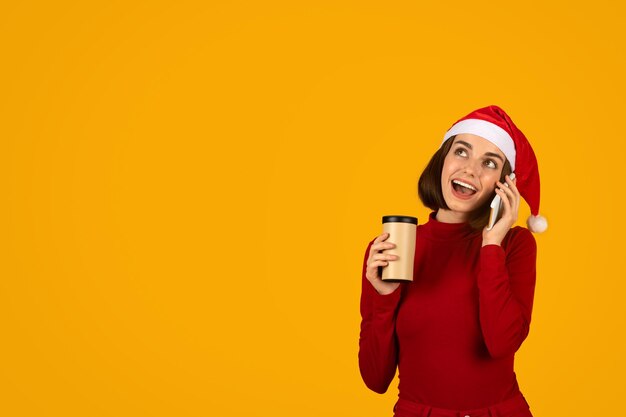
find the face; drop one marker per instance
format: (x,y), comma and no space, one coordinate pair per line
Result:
(468,178)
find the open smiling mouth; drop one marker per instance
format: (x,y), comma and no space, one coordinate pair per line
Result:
(462,189)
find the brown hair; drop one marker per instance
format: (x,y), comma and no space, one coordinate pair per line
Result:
(429,187)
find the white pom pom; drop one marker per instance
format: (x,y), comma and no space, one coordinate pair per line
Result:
(537,224)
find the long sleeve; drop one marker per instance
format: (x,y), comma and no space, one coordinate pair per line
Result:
(378,350)
(506,286)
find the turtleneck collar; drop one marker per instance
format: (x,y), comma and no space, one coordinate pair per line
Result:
(436,230)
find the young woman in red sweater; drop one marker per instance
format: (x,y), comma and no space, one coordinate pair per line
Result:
(453,331)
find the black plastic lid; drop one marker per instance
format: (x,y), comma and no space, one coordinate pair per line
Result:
(399,219)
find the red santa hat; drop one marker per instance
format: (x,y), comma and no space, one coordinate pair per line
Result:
(493,124)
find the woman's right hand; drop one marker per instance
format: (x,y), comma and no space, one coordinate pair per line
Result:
(375,259)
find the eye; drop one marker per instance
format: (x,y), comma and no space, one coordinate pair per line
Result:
(460,152)
(490,163)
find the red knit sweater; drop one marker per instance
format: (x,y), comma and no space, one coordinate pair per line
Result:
(452,332)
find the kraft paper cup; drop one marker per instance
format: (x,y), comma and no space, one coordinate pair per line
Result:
(402,231)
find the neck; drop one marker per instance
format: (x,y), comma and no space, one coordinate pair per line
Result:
(449,216)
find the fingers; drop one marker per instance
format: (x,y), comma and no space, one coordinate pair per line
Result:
(373,265)
(380,258)
(511,182)
(508,180)
(384,256)
(383,236)
(510,197)
(511,191)
(505,201)
(380,244)
(518,196)
(376,256)
(372,272)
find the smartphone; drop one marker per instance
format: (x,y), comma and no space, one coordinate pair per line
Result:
(496,207)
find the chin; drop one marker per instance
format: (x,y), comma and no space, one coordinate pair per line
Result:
(464,207)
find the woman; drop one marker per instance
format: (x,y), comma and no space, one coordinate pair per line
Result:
(454,330)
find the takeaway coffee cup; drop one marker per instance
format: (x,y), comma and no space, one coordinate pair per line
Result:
(401,231)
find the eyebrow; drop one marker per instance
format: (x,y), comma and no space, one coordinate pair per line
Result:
(494,155)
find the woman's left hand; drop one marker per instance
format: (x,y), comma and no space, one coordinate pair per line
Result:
(510,202)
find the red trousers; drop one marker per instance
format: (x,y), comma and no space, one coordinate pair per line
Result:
(513,407)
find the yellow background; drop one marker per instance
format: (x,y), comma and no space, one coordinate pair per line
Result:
(188,189)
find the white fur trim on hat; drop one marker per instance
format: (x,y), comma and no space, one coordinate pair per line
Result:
(492,132)
(537,224)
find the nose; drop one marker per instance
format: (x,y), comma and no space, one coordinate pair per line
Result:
(473,167)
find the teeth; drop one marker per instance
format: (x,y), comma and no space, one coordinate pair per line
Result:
(463,184)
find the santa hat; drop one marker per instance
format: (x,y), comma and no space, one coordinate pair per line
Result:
(493,124)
